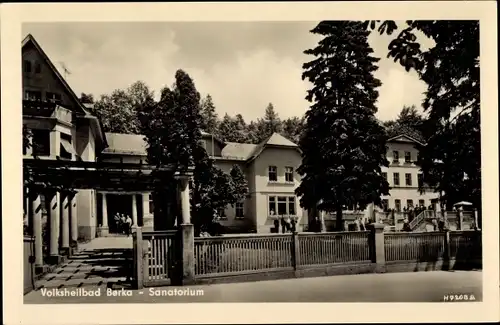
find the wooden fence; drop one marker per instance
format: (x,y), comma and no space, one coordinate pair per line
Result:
(155,259)
(167,256)
(28,257)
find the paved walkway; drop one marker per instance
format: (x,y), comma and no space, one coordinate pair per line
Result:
(101,263)
(392,287)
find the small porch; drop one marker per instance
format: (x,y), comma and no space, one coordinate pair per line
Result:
(59,182)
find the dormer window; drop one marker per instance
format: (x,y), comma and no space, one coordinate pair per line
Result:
(395,156)
(407,157)
(38,67)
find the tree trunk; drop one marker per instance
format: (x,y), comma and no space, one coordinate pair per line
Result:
(339,220)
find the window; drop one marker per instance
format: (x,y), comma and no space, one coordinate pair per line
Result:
(384,175)
(418,156)
(291,205)
(273,174)
(395,156)
(396,179)
(408,179)
(27,66)
(239,209)
(151,204)
(33,95)
(420,178)
(53,97)
(41,142)
(38,67)
(385,204)
(421,203)
(289,174)
(397,205)
(409,204)
(66,149)
(272,205)
(282,205)
(407,157)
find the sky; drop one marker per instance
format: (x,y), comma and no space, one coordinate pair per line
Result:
(242,65)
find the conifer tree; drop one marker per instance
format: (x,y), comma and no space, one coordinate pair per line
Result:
(343,145)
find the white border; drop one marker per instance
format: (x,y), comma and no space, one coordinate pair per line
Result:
(13,15)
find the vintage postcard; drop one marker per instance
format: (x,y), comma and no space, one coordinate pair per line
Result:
(166,156)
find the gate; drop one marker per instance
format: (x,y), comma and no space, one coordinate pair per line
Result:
(28,254)
(159,252)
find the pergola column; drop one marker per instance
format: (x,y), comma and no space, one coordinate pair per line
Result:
(36,222)
(65,207)
(52,202)
(104,226)
(134,210)
(187,230)
(73,219)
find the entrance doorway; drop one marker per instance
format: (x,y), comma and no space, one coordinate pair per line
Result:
(118,204)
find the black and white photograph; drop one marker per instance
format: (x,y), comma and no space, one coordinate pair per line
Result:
(329,160)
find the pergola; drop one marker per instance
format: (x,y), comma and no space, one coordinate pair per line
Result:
(66,177)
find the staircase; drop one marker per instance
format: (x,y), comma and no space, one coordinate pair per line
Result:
(415,223)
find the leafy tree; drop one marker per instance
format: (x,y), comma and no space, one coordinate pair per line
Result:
(450,69)
(172,130)
(252,133)
(268,125)
(239,184)
(119,111)
(209,116)
(86,98)
(292,128)
(343,146)
(232,129)
(410,117)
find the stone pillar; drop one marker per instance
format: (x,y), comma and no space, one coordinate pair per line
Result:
(52,201)
(104,225)
(187,234)
(73,220)
(377,246)
(476,219)
(185,205)
(445,217)
(65,207)
(36,219)
(147,216)
(460,218)
(134,210)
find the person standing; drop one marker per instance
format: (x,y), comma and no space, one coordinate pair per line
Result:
(128,225)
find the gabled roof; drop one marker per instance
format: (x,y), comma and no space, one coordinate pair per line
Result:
(79,108)
(126,144)
(397,131)
(275,140)
(31,40)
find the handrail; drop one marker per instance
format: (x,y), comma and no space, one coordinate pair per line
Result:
(418,219)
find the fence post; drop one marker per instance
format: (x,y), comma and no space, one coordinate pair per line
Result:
(188,263)
(460,218)
(138,258)
(377,246)
(446,252)
(295,251)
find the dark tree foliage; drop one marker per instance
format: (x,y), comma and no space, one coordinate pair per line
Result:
(173,132)
(343,144)
(209,116)
(451,159)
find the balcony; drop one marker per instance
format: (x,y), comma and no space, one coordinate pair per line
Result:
(47,109)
